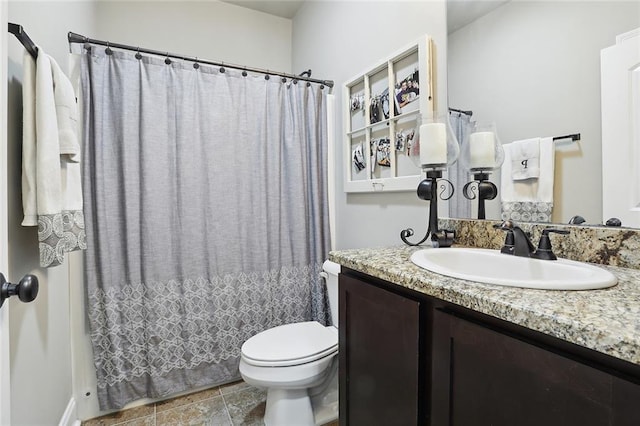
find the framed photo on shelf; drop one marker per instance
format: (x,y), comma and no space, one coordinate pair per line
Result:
(359,162)
(407,90)
(383,150)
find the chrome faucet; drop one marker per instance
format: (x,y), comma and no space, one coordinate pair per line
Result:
(517,242)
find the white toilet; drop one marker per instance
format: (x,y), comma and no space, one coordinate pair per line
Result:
(298,365)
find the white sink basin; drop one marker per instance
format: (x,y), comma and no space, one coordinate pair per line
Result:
(493,267)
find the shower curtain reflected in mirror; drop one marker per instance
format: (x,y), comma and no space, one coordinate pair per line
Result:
(459,206)
(206,215)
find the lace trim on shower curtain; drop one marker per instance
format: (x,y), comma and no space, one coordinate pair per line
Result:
(154,328)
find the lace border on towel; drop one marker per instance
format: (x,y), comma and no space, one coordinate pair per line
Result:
(527,211)
(59,234)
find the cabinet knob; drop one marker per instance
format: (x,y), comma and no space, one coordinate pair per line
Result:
(26,289)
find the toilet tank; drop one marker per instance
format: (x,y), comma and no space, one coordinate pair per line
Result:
(332,270)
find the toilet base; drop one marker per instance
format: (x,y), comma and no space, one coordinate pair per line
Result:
(288,407)
(325,400)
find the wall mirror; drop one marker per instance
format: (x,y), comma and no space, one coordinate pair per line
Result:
(533,68)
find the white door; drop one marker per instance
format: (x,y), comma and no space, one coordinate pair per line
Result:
(5,403)
(620,75)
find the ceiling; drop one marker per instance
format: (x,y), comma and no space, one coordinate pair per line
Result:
(283,8)
(463,12)
(459,12)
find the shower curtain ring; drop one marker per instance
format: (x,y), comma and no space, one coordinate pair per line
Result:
(266,76)
(222,68)
(196,65)
(244,72)
(167,60)
(108,50)
(138,55)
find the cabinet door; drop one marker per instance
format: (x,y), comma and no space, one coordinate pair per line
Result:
(379,355)
(483,377)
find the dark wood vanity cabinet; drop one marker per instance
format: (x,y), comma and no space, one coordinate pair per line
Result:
(487,377)
(409,359)
(380,346)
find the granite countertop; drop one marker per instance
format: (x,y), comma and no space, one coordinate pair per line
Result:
(606,320)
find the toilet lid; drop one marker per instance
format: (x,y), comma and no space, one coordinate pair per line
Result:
(291,344)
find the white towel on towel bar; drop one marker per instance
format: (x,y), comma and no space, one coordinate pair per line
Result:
(529,199)
(51,191)
(525,159)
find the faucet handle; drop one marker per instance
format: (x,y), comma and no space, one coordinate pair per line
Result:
(506,225)
(546,231)
(544,250)
(509,239)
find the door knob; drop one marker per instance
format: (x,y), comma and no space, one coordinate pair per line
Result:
(26,289)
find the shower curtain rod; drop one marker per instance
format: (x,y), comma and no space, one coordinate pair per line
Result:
(77,38)
(469,113)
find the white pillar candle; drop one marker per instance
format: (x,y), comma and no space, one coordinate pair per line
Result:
(482,150)
(433,143)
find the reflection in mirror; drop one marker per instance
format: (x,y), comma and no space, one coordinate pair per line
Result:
(533,68)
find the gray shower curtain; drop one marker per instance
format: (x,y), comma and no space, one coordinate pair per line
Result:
(459,206)
(206,214)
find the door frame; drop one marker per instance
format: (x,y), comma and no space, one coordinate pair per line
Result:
(5,362)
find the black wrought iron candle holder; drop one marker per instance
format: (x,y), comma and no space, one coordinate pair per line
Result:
(482,189)
(428,191)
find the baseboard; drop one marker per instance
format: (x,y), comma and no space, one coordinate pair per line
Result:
(70,416)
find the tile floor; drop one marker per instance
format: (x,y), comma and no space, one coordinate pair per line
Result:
(228,405)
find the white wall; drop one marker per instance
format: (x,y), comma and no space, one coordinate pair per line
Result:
(534,69)
(338,40)
(41,366)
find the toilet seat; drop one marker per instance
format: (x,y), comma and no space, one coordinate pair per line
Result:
(290,344)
